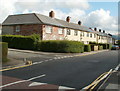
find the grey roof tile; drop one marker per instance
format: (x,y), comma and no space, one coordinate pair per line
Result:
(21,19)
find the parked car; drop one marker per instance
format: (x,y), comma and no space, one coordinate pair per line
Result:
(115,47)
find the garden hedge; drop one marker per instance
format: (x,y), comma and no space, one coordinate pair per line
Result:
(62,46)
(100,47)
(4,52)
(87,48)
(21,42)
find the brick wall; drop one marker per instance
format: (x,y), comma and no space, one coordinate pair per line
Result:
(28,29)
(52,36)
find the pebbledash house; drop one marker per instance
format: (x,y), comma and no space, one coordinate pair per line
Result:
(50,28)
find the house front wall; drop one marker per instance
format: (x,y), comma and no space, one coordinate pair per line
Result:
(72,35)
(7,29)
(86,39)
(53,34)
(28,29)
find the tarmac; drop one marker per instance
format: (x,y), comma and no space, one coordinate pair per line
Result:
(111,83)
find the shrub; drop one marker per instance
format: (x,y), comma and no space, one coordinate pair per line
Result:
(104,45)
(109,46)
(4,48)
(61,46)
(100,47)
(87,48)
(21,42)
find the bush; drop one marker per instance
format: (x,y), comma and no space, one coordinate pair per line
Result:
(93,43)
(109,46)
(104,45)
(62,46)
(87,48)
(100,47)
(4,48)
(21,42)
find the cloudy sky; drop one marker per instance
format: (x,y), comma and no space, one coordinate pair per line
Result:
(92,13)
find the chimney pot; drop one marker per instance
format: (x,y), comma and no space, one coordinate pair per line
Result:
(68,19)
(95,29)
(99,30)
(103,31)
(52,14)
(79,22)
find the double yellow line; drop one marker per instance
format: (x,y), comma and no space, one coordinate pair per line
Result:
(15,67)
(97,81)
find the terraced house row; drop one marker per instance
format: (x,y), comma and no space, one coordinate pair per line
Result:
(51,28)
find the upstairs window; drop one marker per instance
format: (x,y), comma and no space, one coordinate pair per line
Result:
(17,28)
(48,29)
(75,32)
(68,32)
(94,35)
(91,35)
(60,31)
(87,34)
(83,34)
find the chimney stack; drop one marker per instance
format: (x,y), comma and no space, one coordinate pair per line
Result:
(103,31)
(79,22)
(68,19)
(95,29)
(52,14)
(99,30)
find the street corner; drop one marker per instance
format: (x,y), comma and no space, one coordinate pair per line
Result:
(12,83)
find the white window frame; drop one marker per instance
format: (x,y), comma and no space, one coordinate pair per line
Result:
(91,35)
(17,29)
(48,29)
(75,33)
(87,34)
(94,35)
(60,31)
(68,32)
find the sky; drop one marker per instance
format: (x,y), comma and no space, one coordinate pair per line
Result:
(102,14)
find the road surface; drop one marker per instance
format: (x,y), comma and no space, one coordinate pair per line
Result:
(72,72)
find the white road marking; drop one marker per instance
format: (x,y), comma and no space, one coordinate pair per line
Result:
(62,88)
(36,84)
(116,69)
(22,81)
(50,59)
(38,62)
(46,60)
(55,58)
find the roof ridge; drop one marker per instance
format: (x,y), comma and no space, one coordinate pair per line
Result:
(38,17)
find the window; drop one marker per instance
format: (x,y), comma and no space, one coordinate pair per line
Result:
(91,35)
(75,32)
(60,31)
(83,34)
(48,29)
(17,28)
(94,35)
(68,32)
(87,34)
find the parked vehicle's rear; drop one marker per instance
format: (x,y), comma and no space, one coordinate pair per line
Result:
(115,47)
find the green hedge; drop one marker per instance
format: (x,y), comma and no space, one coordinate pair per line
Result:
(104,45)
(100,47)
(62,46)
(87,48)
(4,47)
(21,42)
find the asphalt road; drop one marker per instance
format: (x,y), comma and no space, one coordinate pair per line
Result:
(75,72)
